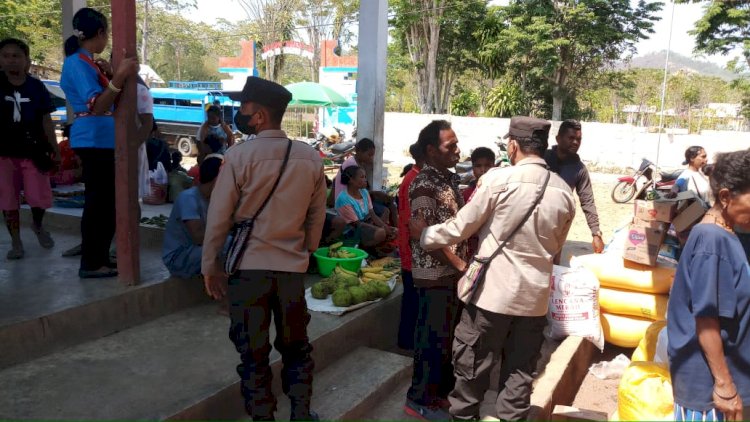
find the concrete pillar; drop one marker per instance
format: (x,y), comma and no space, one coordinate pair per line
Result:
(126,150)
(69,8)
(373,47)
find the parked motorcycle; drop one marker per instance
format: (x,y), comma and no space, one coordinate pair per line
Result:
(336,137)
(642,182)
(337,153)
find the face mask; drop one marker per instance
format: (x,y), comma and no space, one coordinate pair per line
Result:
(242,122)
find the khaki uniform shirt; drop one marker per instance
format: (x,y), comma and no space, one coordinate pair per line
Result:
(291,224)
(517,280)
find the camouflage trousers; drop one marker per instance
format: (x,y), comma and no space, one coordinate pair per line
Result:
(255,296)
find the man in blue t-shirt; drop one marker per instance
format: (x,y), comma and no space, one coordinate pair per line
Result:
(183,236)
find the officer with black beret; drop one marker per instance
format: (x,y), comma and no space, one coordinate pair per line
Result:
(271,194)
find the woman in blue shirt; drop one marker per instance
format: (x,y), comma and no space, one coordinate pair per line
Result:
(354,205)
(91,90)
(708,319)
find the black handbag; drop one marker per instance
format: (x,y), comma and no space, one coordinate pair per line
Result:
(41,153)
(241,231)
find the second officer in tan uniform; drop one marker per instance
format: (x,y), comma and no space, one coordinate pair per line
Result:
(270,279)
(506,316)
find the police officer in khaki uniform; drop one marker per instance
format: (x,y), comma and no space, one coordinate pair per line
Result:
(505,318)
(270,279)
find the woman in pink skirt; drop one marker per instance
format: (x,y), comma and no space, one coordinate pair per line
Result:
(28,145)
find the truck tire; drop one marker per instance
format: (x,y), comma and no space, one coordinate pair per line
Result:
(187,147)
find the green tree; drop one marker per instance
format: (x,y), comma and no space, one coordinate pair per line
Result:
(145,7)
(438,36)
(39,23)
(507,99)
(456,55)
(554,47)
(724,26)
(275,20)
(180,49)
(741,85)
(320,24)
(465,102)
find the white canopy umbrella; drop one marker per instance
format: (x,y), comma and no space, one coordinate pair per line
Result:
(148,74)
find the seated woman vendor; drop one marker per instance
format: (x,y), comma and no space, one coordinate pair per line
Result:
(354,205)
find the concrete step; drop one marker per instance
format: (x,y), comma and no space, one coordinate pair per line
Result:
(559,372)
(45,307)
(353,386)
(68,220)
(391,407)
(181,366)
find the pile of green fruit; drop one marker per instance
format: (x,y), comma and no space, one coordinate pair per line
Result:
(346,288)
(335,251)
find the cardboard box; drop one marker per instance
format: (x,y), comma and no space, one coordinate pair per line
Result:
(656,225)
(689,216)
(642,244)
(663,211)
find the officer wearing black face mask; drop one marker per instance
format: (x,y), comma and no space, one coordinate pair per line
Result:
(271,270)
(242,123)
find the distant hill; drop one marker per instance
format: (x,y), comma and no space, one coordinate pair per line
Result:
(678,62)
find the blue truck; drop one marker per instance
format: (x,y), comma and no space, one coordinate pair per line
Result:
(60,115)
(181,112)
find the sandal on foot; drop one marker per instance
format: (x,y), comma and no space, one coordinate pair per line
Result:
(74,251)
(15,253)
(103,272)
(45,240)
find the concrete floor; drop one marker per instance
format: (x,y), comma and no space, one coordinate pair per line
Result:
(601,395)
(158,369)
(45,271)
(146,210)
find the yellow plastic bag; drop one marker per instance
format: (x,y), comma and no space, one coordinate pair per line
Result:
(625,302)
(646,349)
(645,393)
(613,271)
(624,331)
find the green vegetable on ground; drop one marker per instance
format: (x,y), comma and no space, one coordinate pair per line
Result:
(358,294)
(319,290)
(383,288)
(372,291)
(342,298)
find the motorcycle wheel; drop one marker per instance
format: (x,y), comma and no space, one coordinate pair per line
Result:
(623,192)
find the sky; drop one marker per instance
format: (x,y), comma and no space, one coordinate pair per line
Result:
(685,16)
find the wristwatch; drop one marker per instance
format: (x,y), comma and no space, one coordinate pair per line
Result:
(597,233)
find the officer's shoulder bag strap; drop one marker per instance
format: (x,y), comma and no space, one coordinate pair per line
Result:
(241,231)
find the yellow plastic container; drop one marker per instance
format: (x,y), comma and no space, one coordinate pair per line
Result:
(646,349)
(624,331)
(613,271)
(645,393)
(627,302)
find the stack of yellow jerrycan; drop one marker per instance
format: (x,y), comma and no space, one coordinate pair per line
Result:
(631,297)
